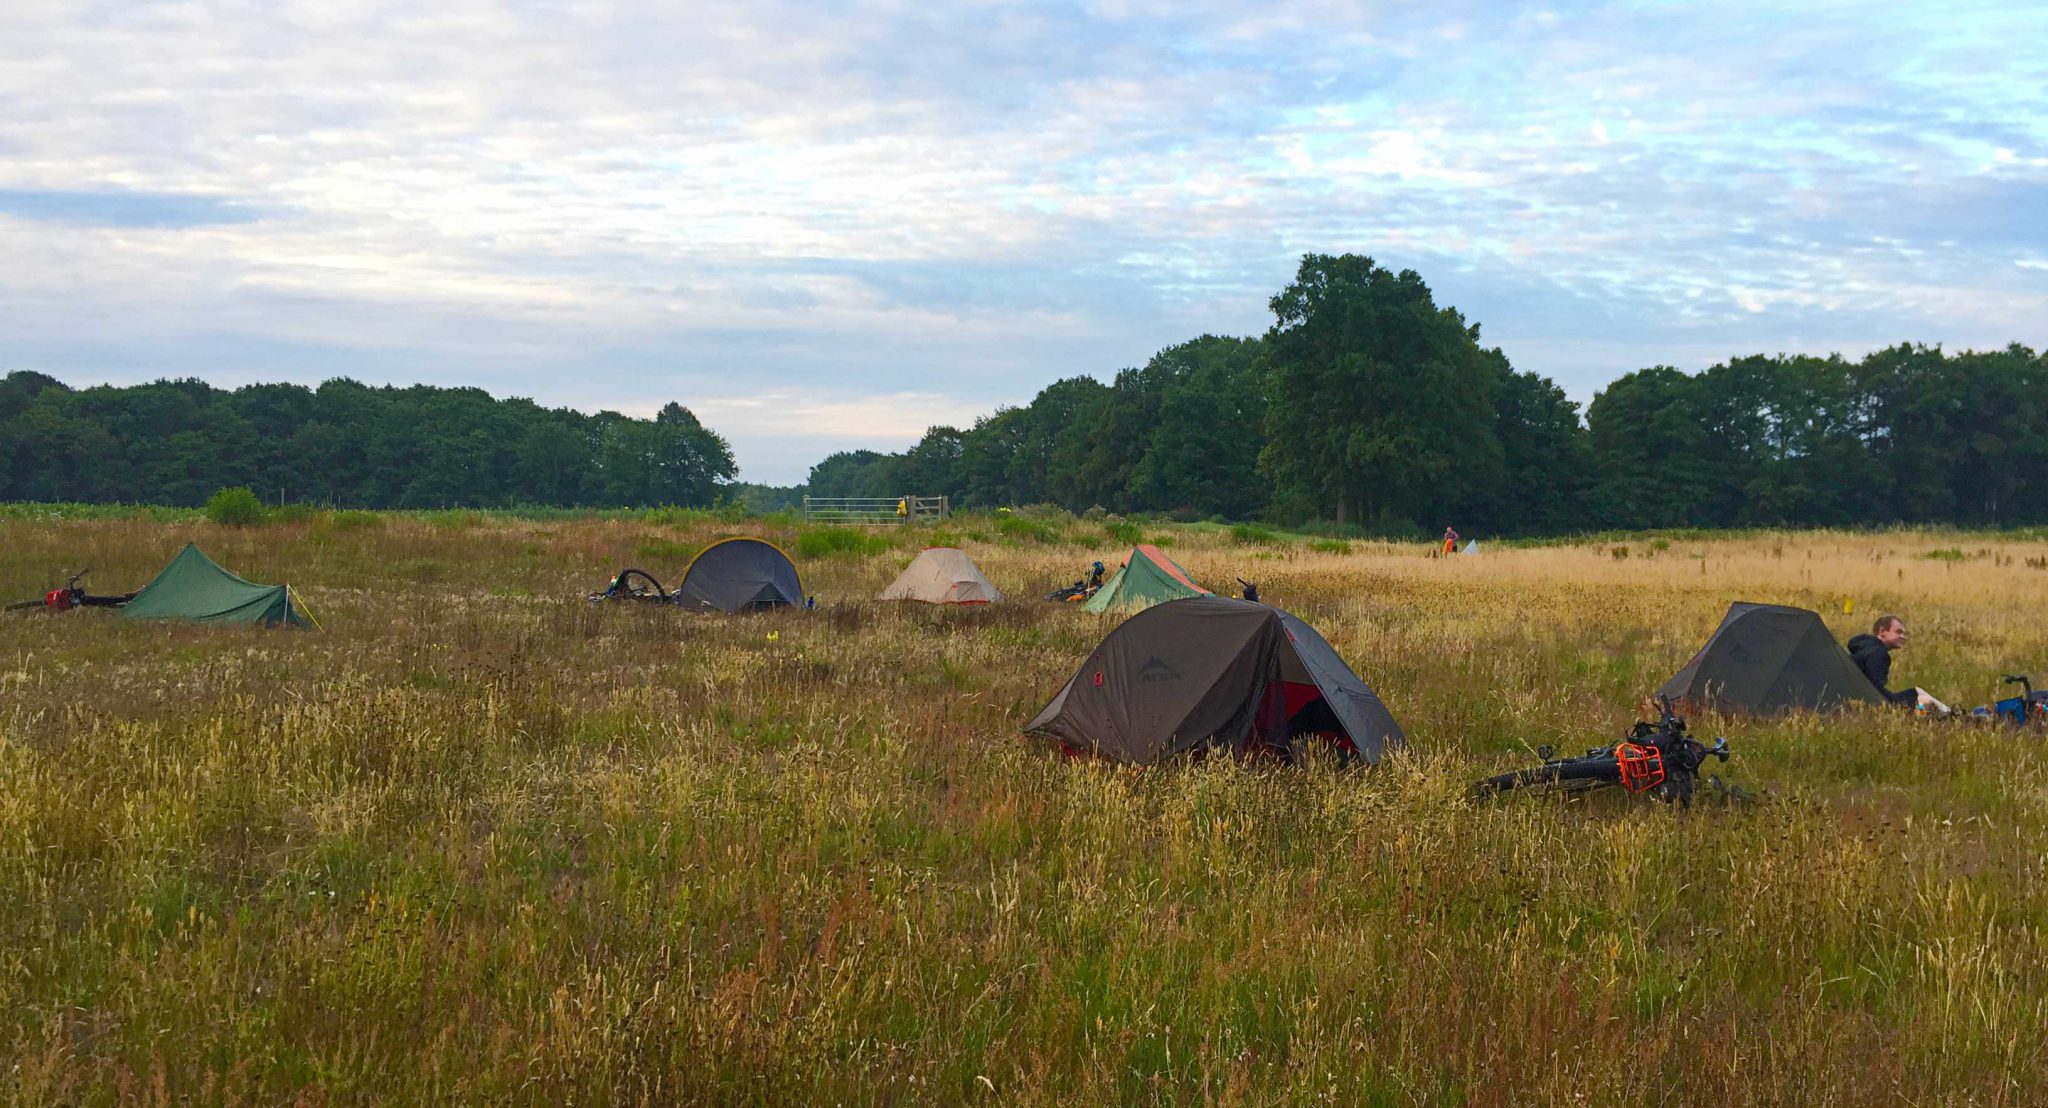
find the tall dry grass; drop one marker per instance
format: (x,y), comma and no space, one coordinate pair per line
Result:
(480,841)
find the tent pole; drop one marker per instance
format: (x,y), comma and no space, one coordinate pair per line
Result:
(296,599)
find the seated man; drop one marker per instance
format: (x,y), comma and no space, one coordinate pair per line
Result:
(1872,654)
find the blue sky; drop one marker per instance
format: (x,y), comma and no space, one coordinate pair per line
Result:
(828,226)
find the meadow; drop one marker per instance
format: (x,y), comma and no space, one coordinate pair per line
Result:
(478,840)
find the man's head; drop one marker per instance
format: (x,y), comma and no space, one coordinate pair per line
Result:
(1891,631)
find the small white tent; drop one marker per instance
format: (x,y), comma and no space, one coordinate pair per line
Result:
(1471,547)
(942,575)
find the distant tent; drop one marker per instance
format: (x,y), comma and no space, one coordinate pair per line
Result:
(1213,673)
(1148,577)
(195,589)
(736,575)
(1770,658)
(1471,547)
(942,575)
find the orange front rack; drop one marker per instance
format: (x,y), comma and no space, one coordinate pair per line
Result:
(1642,767)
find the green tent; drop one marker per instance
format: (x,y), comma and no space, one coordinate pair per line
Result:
(193,588)
(1148,577)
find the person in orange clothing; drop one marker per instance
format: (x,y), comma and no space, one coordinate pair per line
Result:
(1450,541)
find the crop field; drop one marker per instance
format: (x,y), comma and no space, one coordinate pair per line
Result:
(478,840)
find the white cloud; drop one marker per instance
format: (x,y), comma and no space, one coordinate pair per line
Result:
(889,202)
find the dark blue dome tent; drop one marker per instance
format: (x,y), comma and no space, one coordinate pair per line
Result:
(739,575)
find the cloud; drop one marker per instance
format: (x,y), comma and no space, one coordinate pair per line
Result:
(597,204)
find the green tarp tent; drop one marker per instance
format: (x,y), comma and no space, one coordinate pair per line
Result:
(1148,577)
(193,588)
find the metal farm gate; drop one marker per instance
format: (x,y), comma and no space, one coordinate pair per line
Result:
(875,509)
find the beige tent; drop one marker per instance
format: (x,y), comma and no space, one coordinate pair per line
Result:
(942,575)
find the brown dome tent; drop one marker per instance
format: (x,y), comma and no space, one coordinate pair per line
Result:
(1209,672)
(1771,658)
(942,575)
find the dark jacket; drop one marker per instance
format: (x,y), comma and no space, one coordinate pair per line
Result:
(1875,660)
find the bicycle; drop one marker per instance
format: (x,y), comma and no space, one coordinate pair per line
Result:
(1660,758)
(2028,707)
(633,584)
(1080,590)
(72,595)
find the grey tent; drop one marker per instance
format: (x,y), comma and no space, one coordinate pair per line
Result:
(737,575)
(1209,672)
(1771,658)
(1471,547)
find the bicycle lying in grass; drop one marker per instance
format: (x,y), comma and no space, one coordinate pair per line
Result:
(632,584)
(1660,759)
(72,595)
(2029,707)
(1080,590)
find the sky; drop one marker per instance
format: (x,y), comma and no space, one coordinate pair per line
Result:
(827,226)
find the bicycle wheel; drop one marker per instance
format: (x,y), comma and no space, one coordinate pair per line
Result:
(1577,775)
(636,584)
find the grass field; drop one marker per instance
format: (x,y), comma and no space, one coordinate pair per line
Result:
(479,841)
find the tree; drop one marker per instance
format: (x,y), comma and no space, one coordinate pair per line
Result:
(173,442)
(1202,453)
(1382,403)
(690,460)
(1648,451)
(1543,460)
(850,473)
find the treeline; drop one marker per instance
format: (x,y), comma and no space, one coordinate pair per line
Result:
(344,443)
(1368,403)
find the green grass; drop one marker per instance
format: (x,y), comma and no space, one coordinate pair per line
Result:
(481,841)
(1035,529)
(1254,534)
(821,542)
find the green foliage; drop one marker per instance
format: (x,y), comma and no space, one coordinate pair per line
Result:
(1034,529)
(1253,534)
(1382,404)
(656,548)
(1950,554)
(173,442)
(821,542)
(236,507)
(1123,532)
(155,513)
(1329,546)
(351,520)
(1369,409)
